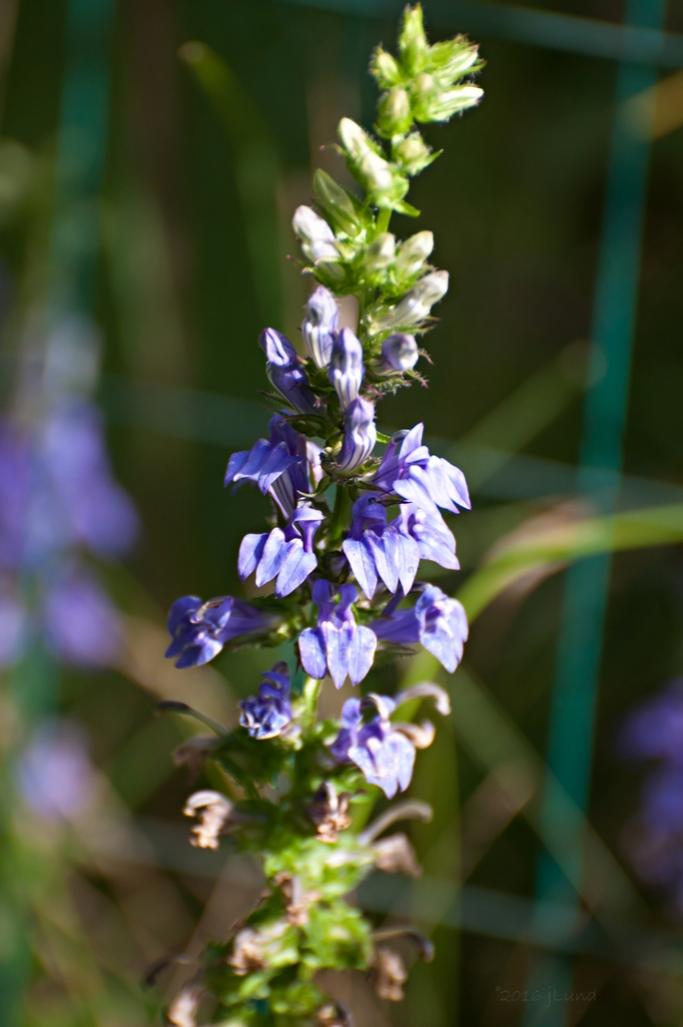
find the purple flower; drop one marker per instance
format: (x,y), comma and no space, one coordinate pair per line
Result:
(269,713)
(360,435)
(382,752)
(399,353)
(320,323)
(434,538)
(286,555)
(74,462)
(411,472)
(337,645)
(438,622)
(285,372)
(380,551)
(200,630)
(285,465)
(57,490)
(346,366)
(54,773)
(81,624)
(655,730)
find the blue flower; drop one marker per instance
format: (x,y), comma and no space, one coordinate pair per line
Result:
(399,353)
(199,630)
(346,366)
(319,326)
(286,465)
(655,730)
(285,372)
(383,753)
(81,624)
(434,538)
(411,472)
(287,555)
(380,551)
(270,712)
(337,645)
(438,622)
(360,435)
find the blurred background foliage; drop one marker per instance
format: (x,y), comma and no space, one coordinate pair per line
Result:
(151,155)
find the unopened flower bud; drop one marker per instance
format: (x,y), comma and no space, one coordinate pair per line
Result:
(415,305)
(412,153)
(360,435)
(336,203)
(384,68)
(381,252)
(453,101)
(383,182)
(412,41)
(413,253)
(317,238)
(284,370)
(346,366)
(399,353)
(393,113)
(319,325)
(452,59)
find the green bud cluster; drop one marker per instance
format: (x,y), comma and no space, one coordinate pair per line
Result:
(355,253)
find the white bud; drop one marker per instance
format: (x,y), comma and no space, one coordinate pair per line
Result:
(375,171)
(381,252)
(413,253)
(317,238)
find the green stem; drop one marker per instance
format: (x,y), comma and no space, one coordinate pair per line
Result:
(383,219)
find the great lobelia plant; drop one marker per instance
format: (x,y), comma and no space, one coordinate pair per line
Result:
(349,531)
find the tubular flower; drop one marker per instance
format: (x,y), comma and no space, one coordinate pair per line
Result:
(346,366)
(199,630)
(285,372)
(337,646)
(436,621)
(382,752)
(286,555)
(411,472)
(321,322)
(360,435)
(268,713)
(378,551)
(286,466)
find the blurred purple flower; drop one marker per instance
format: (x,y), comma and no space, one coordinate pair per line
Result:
(286,555)
(655,730)
(57,490)
(199,630)
(54,773)
(81,624)
(438,622)
(337,646)
(270,712)
(411,472)
(383,753)
(285,372)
